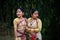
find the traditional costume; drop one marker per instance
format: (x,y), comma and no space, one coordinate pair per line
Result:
(35,24)
(21,30)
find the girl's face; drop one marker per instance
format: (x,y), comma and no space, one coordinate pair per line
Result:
(35,14)
(19,13)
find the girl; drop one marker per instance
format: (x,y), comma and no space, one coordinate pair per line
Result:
(19,25)
(34,25)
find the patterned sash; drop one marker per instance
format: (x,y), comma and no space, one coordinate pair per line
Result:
(20,28)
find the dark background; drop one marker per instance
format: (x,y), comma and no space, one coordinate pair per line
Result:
(48,13)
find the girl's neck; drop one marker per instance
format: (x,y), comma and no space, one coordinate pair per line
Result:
(20,17)
(34,18)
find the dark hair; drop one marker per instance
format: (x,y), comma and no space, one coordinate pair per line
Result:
(32,11)
(21,9)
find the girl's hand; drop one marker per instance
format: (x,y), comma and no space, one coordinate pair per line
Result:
(28,29)
(32,30)
(36,30)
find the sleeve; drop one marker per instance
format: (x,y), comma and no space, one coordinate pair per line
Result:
(15,23)
(39,26)
(15,27)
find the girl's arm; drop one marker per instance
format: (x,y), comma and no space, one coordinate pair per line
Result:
(39,26)
(15,27)
(29,29)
